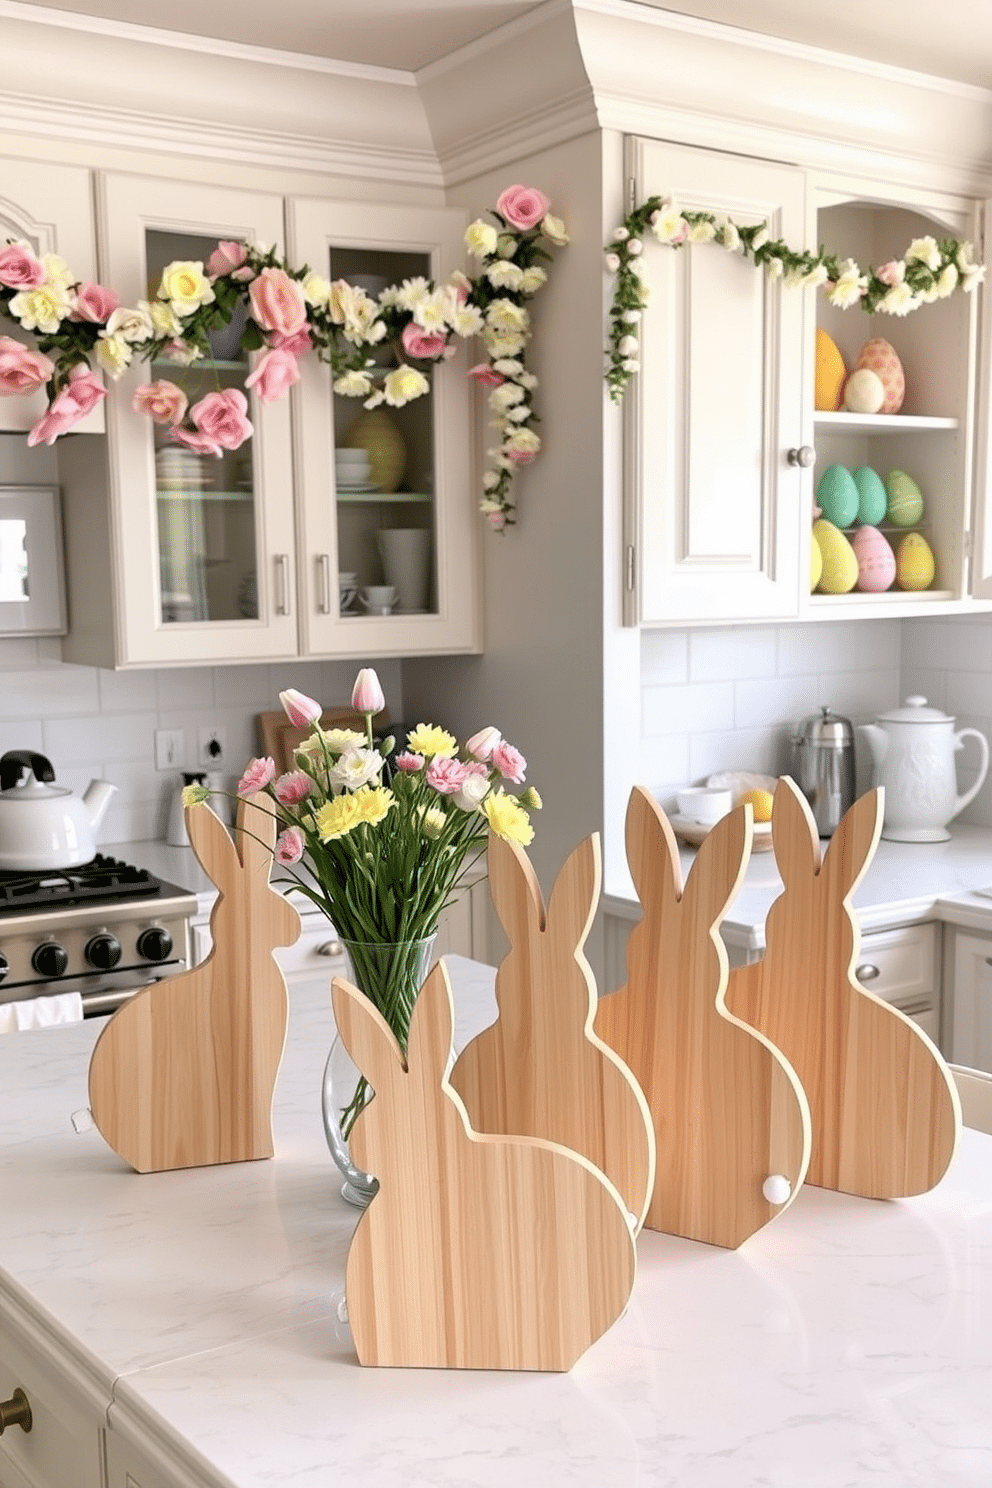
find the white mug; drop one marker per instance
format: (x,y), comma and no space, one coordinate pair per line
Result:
(378,599)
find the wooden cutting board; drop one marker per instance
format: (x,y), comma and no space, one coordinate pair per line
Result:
(885,1111)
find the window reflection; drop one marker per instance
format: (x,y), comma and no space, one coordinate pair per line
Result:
(13,560)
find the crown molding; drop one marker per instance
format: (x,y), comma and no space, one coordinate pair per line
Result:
(503,36)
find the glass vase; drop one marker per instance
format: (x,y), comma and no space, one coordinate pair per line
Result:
(390,973)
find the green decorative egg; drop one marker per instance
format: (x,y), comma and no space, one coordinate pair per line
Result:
(873,499)
(837,495)
(840,566)
(905,503)
(915,565)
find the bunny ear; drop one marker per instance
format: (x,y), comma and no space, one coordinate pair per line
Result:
(652,851)
(212,844)
(431,1024)
(794,835)
(255,829)
(853,844)
(366,1035)
(720,865)
(513,885)
(575,896)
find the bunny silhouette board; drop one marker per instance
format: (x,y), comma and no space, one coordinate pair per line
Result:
(478,1251)
(184,1073)
(884,1107)
(728,1110)
(540,1070)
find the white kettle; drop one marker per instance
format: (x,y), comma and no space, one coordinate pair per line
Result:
(913,749)
(43,825)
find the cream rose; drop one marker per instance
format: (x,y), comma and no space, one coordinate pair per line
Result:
(42,308)
(481,239)
(185,286)
(112,352)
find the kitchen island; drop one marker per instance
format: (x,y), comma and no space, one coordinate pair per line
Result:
(188,1327)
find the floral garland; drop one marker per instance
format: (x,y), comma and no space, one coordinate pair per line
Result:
(288,313)
(929,270)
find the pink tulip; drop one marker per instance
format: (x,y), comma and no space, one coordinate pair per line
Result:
(226,257)
(485,375)
(274,375)
(220,417)
(21,370)
(296,342)
(428,345)
(299,709)
(82,392)
(292,788)
(94,303)
(446,776)
(277,302)
(162,401)
(19,269)
(482,744)
(523,206)
(366,695)
(257,776)
(509,762)
(192,439)
(290,845)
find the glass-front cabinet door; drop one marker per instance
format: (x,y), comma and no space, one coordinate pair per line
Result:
(205,542)
(387,507)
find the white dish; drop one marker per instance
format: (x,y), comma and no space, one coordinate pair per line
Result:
(359,487)
(693,832)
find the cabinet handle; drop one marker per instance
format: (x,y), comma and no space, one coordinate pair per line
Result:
(15,1412)
(867,972)
(805,456)
(282,583)
(329,948)
(324,569)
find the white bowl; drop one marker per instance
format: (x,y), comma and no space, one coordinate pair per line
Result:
(704,804)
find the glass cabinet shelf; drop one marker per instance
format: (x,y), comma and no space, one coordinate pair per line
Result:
(882,423)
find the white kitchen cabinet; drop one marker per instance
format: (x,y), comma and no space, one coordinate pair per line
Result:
(429,500)
(902,967)
(50,207)
(969,961)
(714,509)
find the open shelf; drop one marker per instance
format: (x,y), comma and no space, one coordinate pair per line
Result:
(882,423)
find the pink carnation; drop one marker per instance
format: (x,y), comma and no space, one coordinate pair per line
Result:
(162,401)
(19,269)
(446,776)
(257,776)
(94,303)
(509,762)
(290,845)
(486,375)
(427,345)
(523,206)
(21,370)
(409,763)
(292,788)
(275,372)
(226,257)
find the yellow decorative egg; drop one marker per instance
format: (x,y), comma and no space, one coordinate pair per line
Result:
(905,503)
(830,374)
(840,567)
(915,564)
(815,565)
(879,357)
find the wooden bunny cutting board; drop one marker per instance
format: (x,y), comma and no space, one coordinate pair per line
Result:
(540,1070)
(884,1108)
(478,1251)
(728,1111)
(184,1073)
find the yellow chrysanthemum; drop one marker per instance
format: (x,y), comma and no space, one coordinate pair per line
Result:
(429,740)
(507,818)
(374,803)
(338,817)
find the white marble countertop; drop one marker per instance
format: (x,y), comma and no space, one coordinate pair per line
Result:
(846,1343)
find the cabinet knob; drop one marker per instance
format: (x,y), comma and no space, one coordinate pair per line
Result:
(15,1412)
(867,972)
(329,948)
(805,456)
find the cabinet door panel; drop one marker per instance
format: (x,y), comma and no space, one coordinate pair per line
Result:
(981,570)
(971,1009)
(714,505)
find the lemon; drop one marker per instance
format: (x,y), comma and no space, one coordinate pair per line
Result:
(760,802)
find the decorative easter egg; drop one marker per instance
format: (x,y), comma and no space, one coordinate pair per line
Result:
(837,495)
(876,561)
(915,565)
(873,499)
(879,357)
(904,506)
(829,375)
(840,567)
(815,564)
(864,391)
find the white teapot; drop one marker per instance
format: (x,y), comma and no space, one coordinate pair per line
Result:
(913,749)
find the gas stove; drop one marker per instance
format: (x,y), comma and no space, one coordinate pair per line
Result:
(104,929)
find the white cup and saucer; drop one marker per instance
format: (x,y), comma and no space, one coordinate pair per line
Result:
(347,590)
(377,599)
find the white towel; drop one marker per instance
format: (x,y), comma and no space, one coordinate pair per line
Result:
(41,1012)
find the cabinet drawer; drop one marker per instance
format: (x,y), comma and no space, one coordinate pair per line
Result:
(901,967)
(64,1447)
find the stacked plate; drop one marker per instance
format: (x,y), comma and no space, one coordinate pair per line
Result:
(351,471)
(180,469)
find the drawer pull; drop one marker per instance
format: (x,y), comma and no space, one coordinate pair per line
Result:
(867,972)
(15,1412)
(329,948)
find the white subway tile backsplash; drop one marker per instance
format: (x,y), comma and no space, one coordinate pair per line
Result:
(859,696)
(664,657)
(124,736)
(185,689)
(719,655)
(776,702)
(49,690)
(127,692)
(19,733)
(691,709)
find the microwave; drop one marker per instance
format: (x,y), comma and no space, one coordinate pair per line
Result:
(32,568)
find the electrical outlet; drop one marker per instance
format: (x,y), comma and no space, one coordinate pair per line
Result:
(170,749)
(211,748)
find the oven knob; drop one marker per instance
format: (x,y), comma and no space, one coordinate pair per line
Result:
(155,943)
(50,959)
(103,951)
(4,966)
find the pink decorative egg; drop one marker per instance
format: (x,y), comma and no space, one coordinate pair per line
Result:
(876,561)
(879,357)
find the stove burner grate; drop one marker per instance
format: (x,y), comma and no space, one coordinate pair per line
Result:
(102,878)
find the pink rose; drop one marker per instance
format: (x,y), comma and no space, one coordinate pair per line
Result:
(292,788)
(891,273)
(428,345)
(496,520)
(226,257)
(85,387)
(192,439)
(277,302)
(94,303)
(290,845)
(446,776)
(299,709)
(523,206)
(482,744)
(21,370)
(297,342)
(257,776)
(221,418)
(509,762)
(162,401)
(244,274)
(82,392)
(409,763)
(274,375)
(485,375)
(367,695)
(519,457)
(19,269)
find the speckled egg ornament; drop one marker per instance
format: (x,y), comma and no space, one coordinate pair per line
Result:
(879,357)
(873,499)
(837,495)
(876,561)
(840,567)
(864,392)
(904,506)
(829,374)
(915,565)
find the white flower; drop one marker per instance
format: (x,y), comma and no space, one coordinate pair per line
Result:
(506,245)
(473,791)
(553,229)
(355,768)
(668,224)
(505,396)
(316,290)
(480,239)
(532,279)
(635,247)
(971,275)
(947,281)
(523,441)
(503,343)
(849,287)
(773,268)
(508,366)
(377,397)
(467,320)
(112,352)
(815,276)
(631,317)
(702,232)
(490,480)
(432,311)
(631,365)
(131,325)
(353,384)
(628,346)
(620,235)
(504,315)
(41,307)
(57,272)
(519,414)
(527,379)
(924,251)
(728,236)
(163,318)
(412,291)
(505,275)
(899,300)
(612,263)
